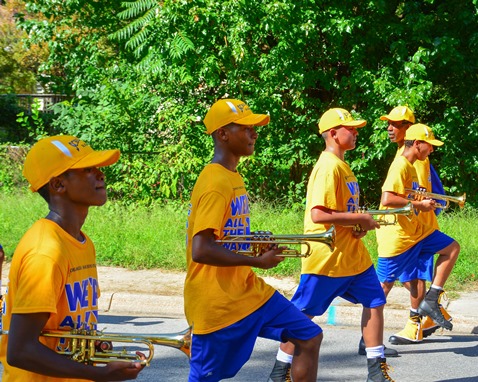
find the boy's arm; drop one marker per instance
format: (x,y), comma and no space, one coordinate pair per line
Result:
(323,215)
(26,352)
(394,200)
(206,250)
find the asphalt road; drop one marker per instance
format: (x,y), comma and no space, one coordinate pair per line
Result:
(441,358)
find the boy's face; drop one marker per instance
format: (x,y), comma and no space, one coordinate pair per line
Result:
(424,149)
(397,129)
(346,136)
(241,139)
(85,186)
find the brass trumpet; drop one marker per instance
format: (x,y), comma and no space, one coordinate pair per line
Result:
(405,211)
(460,200)
(261,240)
(91,346)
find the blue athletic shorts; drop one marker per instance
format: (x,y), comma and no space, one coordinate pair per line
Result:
(414,263)
(221,354)
(315,293)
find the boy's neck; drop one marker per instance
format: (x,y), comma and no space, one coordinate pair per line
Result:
(69,222)
(410,154)
(337,151)
(229,162)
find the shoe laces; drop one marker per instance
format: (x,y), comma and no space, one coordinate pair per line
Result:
(416,319)
(385,367)
(288,378)
(442,295)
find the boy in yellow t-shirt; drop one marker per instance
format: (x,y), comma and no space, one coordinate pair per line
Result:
(225,302)
(399,120)
(333,198)
(53,282)
(408,247)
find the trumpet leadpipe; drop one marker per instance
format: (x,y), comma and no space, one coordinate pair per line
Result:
(380,214)
(420,193)
(256,243)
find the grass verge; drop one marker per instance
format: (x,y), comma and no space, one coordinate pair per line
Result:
(139,237)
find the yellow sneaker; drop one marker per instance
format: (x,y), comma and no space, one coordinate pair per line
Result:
(411,334)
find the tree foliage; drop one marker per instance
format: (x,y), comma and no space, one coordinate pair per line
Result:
(144,72)
(18,66)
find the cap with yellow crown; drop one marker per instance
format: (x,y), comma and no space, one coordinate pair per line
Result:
(338,117)
(421,132)
(52,156)
(399,113)
(226,111)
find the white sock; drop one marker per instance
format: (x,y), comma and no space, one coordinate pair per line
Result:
(284,357)
(375,352)
(436,287)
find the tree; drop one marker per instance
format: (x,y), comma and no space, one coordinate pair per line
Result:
(18,66)
(144,74)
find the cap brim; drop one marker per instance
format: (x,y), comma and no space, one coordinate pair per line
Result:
(356,123)
(435,142)
(254,120)
(98,159)
(394,119)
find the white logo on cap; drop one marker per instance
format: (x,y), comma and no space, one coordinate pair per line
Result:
(341,115)
(232,107)
(62,148)
(426,131)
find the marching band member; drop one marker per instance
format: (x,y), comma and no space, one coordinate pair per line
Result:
(53,282)
(417,328)
(407,249)
(332,198)
(225,302)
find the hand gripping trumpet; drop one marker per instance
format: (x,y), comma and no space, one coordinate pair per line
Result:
(91,346)
(258,242)
(422,193)
(406,211)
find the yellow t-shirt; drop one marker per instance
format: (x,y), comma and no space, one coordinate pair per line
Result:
(50,272)
(333,185)
(216,297)
(425,181)
(395,239)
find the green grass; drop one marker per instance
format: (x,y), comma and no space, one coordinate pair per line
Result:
(138,237)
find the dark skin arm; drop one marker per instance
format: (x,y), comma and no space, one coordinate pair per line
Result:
(322,215)
(206,251)
(26,352)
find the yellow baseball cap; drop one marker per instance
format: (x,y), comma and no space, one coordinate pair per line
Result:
(52,156)
(400,113)
(338,117)
(421,132)
(226,111)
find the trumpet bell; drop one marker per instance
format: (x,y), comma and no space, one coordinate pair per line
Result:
(259,242)
(422,193)
(92,347)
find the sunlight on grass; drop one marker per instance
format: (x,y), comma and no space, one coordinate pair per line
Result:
(139,237)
